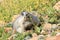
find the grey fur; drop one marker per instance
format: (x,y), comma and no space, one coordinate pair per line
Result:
(24,21)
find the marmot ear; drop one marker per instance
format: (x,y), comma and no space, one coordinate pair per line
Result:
(24,13)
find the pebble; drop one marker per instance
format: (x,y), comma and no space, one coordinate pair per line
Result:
(54,27)
(27,38)
(41,37)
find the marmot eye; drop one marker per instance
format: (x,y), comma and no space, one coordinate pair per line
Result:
(24,13)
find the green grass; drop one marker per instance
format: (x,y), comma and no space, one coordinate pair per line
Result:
(10,7)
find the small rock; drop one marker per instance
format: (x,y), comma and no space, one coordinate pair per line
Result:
(27,38)
(34,37)
(57,5)
(7,30)
(43,32)
(54,27)
(47,26)
(57,34)
(50,38)
(41,37)
(48,35)
(58,37)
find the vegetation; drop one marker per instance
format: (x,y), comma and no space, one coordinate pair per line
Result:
(8,8)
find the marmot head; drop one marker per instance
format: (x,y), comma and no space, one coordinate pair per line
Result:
(24,13)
